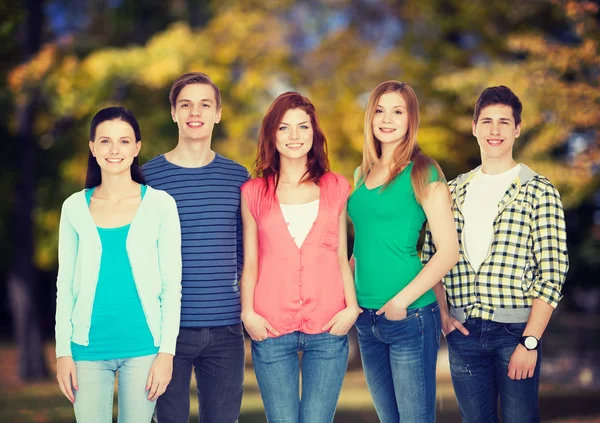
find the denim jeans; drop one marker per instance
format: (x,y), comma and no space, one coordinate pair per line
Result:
(479,368)
(277,366)
(217,356)
(399,360)
(94,399)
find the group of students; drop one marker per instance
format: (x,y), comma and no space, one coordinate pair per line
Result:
(159,266)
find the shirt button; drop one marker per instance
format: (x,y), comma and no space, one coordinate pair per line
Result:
(300,302)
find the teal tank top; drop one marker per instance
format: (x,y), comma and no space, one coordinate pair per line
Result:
(118,326)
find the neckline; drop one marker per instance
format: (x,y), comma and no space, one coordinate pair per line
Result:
(143,189)
(396,177)
(284,223)
(301,204)
(195,167)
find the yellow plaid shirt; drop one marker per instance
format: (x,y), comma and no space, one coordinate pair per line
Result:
(528,255)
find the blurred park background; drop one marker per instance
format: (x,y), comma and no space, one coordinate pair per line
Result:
(63,60)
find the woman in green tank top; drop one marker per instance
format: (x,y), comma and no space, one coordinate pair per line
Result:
(398,189)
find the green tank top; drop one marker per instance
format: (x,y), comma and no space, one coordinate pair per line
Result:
(387,223)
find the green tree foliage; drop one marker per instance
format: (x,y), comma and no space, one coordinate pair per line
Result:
(335,52)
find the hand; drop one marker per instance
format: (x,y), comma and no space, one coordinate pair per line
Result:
(343,320)
(522,363)
(257,326)
(394,309)
(450,324)
(159,375)
(67,376)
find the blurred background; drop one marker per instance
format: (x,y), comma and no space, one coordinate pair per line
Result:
(63,60)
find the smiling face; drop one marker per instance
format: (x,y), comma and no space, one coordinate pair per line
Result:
(294,136)
(115,146)
(390,121)
(496,132)
(196,112)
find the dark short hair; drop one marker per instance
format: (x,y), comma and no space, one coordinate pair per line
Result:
(499,95)
(192,78)
(94,174)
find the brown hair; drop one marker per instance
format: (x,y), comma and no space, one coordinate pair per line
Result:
(267,164)
(499,95)
(408,150)
(192,78)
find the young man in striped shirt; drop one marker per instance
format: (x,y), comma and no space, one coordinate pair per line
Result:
(499,297)
(206,188)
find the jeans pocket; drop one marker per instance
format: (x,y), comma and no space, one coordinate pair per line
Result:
(337,336)
(515,329)
(236,329)
(407,319)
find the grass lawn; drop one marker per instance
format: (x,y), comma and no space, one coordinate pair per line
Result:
(44,403)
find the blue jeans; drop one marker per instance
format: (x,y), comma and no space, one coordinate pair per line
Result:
(479,367)
(399,360)
(277,367)
(217,356)
(94,399)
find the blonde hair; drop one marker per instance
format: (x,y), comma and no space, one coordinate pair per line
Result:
(407,150)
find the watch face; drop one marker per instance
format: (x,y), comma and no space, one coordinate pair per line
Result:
(530,343)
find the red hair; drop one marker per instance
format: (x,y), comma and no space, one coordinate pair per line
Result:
(267,162)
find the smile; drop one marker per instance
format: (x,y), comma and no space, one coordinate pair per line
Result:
(295,145)
(494,142)
(114,160)
(387,130)
(195,124)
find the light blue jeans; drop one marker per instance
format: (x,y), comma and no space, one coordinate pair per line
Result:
(277,368)
(94,399)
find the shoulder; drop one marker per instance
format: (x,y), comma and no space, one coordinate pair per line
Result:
(153,162)
(235,168)
(74,199)
(159,198)
(540,188)
(336,183)
(253,185)
(335,178)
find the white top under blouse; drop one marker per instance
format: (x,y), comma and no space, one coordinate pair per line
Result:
(299,219)
(480,209)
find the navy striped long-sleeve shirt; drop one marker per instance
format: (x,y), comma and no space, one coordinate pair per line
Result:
(208,201)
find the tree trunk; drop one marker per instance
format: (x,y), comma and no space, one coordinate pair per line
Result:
(23,281)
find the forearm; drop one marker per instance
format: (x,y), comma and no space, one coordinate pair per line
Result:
(349,289)
(538,318)
(431,274)
(247,286)
(440,295)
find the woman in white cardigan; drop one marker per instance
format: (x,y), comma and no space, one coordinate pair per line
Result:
(119,280)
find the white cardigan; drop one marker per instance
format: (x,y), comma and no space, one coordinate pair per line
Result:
(154,251)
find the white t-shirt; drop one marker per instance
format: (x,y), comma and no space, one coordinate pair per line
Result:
(480,209)
(299,219)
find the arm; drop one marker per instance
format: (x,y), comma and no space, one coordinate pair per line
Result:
(550,252)
(240,239)
(68,244)
(341,323)
(437,207)
(169,260)
(257,327)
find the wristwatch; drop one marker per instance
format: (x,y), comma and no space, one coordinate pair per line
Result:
(530,342)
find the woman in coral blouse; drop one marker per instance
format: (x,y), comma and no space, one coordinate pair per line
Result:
(297,288)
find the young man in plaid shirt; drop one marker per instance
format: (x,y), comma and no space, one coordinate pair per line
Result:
(499,297)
